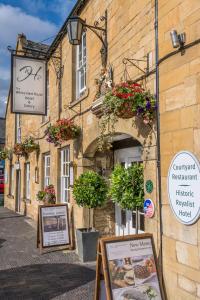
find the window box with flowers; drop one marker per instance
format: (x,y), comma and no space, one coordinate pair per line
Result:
(47,196)
(62,130)
(126,100)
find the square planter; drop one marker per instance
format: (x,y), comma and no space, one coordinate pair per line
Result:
(87,244)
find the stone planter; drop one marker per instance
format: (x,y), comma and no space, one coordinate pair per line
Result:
(87,244)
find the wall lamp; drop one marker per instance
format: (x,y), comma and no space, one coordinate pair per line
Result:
(178,40)
(76,26)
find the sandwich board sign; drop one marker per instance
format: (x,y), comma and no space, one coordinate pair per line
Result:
(127,269)
(28,85)
(53,226)
(183,187)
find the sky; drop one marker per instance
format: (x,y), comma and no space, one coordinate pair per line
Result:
(37,19)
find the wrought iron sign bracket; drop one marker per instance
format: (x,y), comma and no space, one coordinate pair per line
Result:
(102,37)
(41,54)
(133,62)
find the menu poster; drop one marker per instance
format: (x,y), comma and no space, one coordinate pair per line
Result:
(131,268)
(54,225)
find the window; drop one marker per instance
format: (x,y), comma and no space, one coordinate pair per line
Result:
(27,181)
(138,220)
(18,128)
(46,169)
(65,174)
(81,67)
(46,118)
(11,181)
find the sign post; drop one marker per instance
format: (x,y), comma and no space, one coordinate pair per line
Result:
(28,85)
(183,187)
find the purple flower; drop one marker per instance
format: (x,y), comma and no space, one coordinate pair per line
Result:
(148,105)
(140,110)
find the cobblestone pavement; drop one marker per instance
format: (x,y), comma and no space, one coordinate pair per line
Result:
(25,274)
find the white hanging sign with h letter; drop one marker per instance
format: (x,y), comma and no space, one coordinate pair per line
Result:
(184,187)
(28,85)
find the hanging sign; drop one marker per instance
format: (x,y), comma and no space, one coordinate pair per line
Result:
(184,187)
(28,89)
(149,208)
(53,225)
(130,269)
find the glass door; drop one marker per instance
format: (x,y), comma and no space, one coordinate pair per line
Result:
(126,221)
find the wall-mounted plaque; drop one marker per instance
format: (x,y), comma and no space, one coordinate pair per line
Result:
(183,187)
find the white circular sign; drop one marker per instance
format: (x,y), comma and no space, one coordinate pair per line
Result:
(184,187)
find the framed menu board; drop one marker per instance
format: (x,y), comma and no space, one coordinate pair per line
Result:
(130,268)
(54,225)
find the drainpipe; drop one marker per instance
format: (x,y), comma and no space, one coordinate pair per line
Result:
(158,137)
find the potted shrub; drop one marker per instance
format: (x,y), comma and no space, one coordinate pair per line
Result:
(47,196)
(30,145)
(62,130)
(127,186)
(125,100)
(90,190)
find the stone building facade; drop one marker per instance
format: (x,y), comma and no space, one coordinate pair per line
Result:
(131,35)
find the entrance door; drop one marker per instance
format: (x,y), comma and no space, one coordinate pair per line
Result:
(18,190)
(125,221)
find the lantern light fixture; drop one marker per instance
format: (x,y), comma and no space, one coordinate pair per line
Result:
(178,40)
(76,26)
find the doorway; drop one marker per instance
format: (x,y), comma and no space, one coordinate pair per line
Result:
(126,221)
(18,191)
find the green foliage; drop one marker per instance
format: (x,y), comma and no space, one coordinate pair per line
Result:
(40,195)
(4,153)
(30,145)
(127,186)
(90,190)
(125,100)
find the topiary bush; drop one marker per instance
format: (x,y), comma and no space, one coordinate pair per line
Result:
(127,186)
(90,190)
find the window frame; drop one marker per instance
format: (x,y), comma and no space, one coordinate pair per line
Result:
(81,62)
(11,180)
(27,182)
(46,177)
(65,178)
(18,137)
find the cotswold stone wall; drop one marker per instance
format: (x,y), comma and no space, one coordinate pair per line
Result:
(180,130)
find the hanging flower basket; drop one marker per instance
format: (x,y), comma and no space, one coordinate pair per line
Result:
(19,149)
(125,100)
(125,111)
(4,154)
(30,145)
(62,130)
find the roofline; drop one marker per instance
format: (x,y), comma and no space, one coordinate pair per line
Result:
(80,4)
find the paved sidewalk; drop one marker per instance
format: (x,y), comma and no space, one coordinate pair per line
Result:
(25,274)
